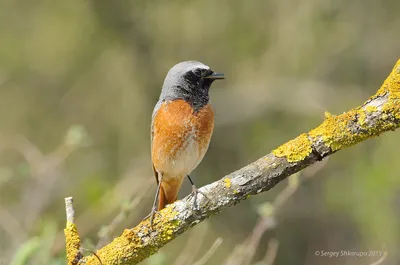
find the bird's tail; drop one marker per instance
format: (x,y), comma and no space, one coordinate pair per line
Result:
(168,194)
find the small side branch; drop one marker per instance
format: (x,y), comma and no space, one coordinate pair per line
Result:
(70,209)
(72,240)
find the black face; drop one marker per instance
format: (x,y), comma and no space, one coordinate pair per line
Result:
(196,77)
(196,87)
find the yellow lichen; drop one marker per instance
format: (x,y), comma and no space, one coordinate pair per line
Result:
(295,150)
(391,86)
(227,182)
(73,242)
(335,130)
(364,112)
(392,83)
(362,118)
(370,109)
(130,244)
(327,115)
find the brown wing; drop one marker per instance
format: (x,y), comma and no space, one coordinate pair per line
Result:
(156,108)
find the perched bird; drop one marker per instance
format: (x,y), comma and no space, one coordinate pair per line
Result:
(181,128)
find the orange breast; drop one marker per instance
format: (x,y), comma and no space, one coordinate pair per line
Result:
(180,137)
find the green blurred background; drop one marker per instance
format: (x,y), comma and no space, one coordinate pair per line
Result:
(78,82)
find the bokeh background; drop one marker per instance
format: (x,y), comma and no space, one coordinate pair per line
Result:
(78,82)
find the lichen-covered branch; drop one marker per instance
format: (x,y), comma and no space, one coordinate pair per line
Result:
(73,242)
(378,114)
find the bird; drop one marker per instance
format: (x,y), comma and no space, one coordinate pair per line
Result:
(181,128)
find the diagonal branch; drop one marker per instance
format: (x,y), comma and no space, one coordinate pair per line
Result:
(378,114)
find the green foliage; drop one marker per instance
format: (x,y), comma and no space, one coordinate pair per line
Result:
(26,251)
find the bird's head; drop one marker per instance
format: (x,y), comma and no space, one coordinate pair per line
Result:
(191,81)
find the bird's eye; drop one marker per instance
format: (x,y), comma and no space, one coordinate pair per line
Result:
(197,72)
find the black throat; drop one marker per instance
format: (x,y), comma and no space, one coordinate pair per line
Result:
(197,99)
(196,92)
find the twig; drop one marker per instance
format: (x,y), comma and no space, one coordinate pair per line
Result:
(70,209)
(45,171)
(196,238)
(210,252)
(381,113)
(94,253)
(272,249)
(72,240)
(11,225)
(244,252)
(110,202)
(268,221)
(106,232)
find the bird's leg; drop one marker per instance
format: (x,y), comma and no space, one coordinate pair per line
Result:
(154,208)
(195,191)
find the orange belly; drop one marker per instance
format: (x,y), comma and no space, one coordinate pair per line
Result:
(180,138)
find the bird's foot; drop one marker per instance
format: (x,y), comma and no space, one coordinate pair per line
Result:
(194,193)
(152,215)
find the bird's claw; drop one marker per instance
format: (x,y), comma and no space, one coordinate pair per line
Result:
(151,215)
(194,193)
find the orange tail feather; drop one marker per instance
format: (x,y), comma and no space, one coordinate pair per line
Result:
(167,196)
(162,200)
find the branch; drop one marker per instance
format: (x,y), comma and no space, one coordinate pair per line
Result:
(378,114)
(73,242)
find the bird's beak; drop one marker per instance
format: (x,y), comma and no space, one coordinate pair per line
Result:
(215,76)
